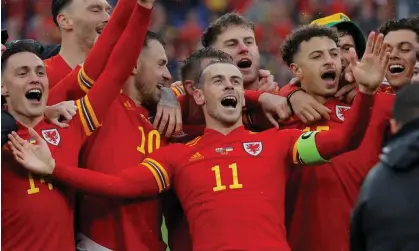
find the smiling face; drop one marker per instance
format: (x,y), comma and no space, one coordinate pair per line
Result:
(318,65)
(402,44)
(239,42)
(221,93)
(25,84)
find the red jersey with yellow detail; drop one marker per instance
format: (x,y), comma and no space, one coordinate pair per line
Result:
(320,199)
(231,187)
(37,214)
(57,68)
(67,84)
(124,140)
(41,219)
(385,87)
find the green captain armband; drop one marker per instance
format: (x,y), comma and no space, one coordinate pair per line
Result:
(307,150)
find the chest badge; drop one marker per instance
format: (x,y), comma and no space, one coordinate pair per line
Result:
(342,111)
(51,136)
(253,148)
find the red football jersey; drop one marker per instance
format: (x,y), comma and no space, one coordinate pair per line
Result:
(37,214)
(72,85)
(26,222)
(124,140)
(229,204)
(57,68)
(320,200)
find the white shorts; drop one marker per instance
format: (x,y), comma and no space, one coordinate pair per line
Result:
(86,244)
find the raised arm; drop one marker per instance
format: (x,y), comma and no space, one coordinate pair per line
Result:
(76,84)
(315,147)
(93,107)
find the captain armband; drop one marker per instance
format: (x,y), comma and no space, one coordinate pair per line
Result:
(306,150)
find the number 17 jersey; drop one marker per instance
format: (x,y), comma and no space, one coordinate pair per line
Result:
(124,140)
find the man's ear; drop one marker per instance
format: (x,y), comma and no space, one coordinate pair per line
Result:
(4,91)
(64,22)
(198,96)
(189,86)
(296,70)
(136,69)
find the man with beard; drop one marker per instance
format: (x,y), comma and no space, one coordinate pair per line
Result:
(80,23)
(235,35)
(123,140)
(230,204)
(315,196)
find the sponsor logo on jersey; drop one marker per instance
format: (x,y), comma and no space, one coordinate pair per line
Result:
(51,136)
(342,111)
(196,156)
(253,148)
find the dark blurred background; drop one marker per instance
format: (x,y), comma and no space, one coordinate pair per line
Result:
(181,22)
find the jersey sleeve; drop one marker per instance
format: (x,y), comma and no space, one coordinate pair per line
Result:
(367,155)
(76,84)
(150,177)
(178,90)
(319,147)
(93,107)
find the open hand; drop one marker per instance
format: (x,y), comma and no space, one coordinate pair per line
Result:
(370,72)
(35,158)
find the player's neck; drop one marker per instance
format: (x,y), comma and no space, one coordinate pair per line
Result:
(220,127)
(72,51)
(195,116)
(321,99)
(131,91)
(25,120)
(252,85)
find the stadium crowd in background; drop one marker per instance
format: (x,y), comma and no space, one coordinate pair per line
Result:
(217,160)
(180,22)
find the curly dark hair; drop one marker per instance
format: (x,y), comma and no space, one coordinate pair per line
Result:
(411,24)
(304,33)
(220,24)
(192,65)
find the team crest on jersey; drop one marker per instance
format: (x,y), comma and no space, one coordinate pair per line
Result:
(253,148)
(51,136)
(342,111)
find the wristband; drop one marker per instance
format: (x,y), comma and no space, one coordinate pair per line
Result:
(289,99)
